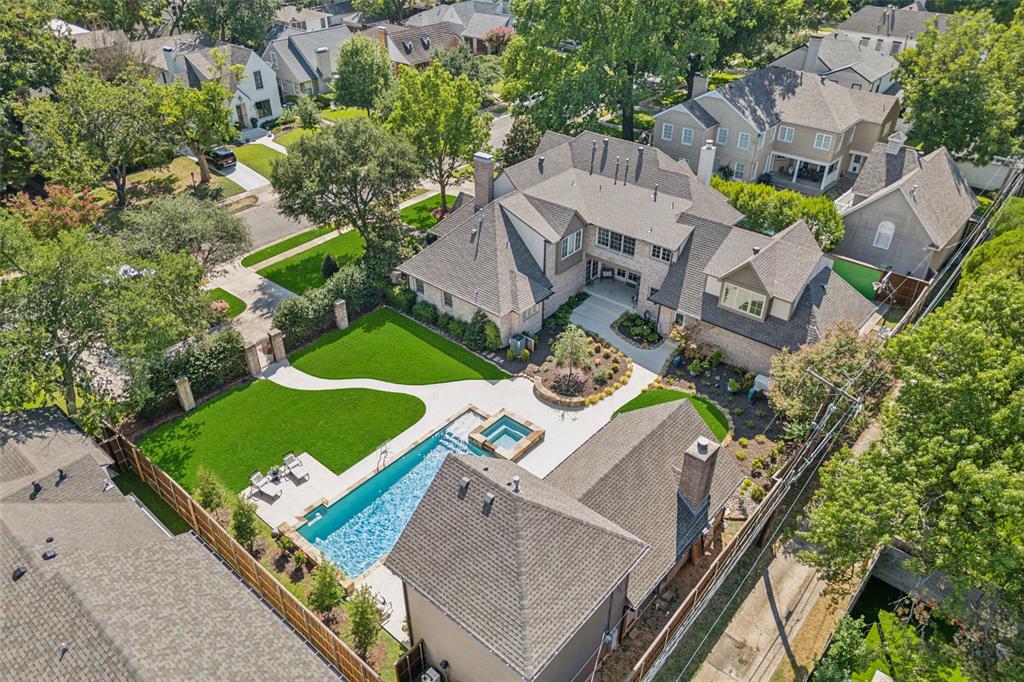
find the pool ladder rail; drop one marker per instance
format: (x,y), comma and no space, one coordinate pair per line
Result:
(382,456)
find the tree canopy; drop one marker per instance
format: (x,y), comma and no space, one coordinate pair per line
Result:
(520,143)
(364,73)
(396,10)
(244,22)
(199,118)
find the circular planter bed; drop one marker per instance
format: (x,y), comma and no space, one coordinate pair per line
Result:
(634,329)
(606,370)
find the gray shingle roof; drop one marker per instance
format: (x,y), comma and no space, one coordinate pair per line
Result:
(837,53)
(629,472)
(772,95)
(414,45)
(783,263)
(520,574)
(131,602)
(942,197)
(474,17)
(296,52)
(700,114)
(871,19)
(683,286)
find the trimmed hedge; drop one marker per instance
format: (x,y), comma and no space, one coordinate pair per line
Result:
(209,363)
(400,297)
(425,312)
(309,315)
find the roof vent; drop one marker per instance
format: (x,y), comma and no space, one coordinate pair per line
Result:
(463,487)
(515,484)
(407,46)
(606,142)
(61,477)
(756,250)
(49,554)
(36,489)
(488,503)
(18,572)
(654,195)
(913,192)
(540,163)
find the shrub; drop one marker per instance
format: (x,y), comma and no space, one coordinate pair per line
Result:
(492,337)
(602,376)
(715,358)
(549,359)
(244,523)
(615,367)
(208,491)
(457,328)
(756,493)
(209,363)
(329,267)
(760,413)
(737,411)
(743,442)
(303,317)
(760,438)
(758,463)
(510,354)
(652,337)
(364,619)
(300,558)
(741,454)
(326,591)
(606,354)
(597,348)
(285,543)
(750,424)
(525,355)
(425,312)
(476,334)
(444,320)
(400,297)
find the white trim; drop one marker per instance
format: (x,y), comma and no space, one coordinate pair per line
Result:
(890,232)
(718,137)
(792,135)
(826,138)
(739,141)
(571,244)
(682,137)
(668,131)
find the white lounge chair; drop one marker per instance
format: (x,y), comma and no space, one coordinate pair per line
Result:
(294,467)
(262,484)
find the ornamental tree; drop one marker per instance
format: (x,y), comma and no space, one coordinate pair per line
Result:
(364,73)
(200,118)
(326,591)
(244,523)
(61,209)
(498,38)
(572,348)
(364,620)
(307,112)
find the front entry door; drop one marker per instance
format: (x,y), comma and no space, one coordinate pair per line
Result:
(240,112)
(855,163)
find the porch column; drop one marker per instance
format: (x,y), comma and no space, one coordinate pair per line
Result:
(796,170)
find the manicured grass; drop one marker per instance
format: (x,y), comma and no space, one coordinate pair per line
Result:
(292,136)
(388,346)
(259,157)
(419,214)
(895,634)
(285,245)
(301,272)
(860,277)
(235,304)
(343,112)
(712,416)
(176,176)
(129,482)
(254,425)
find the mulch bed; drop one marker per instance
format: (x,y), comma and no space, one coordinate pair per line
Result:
(584,380)
(635,330)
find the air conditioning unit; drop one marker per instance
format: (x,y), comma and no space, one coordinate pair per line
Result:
(430,675)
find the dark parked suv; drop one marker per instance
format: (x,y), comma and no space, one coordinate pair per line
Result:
(221,157)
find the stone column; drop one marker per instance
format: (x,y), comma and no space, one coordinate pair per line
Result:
(252,360)
(184,390)
(277,344)
(341,313)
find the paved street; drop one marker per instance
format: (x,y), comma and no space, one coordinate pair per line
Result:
(499,129)
(266,225)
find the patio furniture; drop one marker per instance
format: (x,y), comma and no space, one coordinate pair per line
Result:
(263,485)
(295,468)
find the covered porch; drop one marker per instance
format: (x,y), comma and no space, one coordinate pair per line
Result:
(800,174)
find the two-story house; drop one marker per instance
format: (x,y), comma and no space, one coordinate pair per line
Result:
(592,208)
(797,129)
(845,62)
(891,29)
(306,62)
(907,211)
(416,46)
(475,19)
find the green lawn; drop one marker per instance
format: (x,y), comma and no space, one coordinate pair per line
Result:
(292,136)
(129,482)
(259,157)
(712,416)
(419,214)
(343,112)
(895,632)
(301,272)
(254,425)
(177,176)
(387,346)
(285,245)
(861,277)
(235,304)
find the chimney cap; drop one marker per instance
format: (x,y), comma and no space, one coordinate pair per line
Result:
(756,250)
(321,49)
(483,156)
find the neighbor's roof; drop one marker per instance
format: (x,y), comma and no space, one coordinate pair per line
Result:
(100,39)
(783,263)
(772,95)
(297,52)
(413,45)
(837,53)
(629,473)
(127,600)
(312,16)
(520,574)
(873,20)
(474,17)
(942,198)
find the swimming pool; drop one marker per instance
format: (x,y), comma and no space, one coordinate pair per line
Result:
(363,526)
(506,432)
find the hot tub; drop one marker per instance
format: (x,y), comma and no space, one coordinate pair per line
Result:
(505,435)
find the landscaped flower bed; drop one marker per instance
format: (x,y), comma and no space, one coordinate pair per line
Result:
(603,371)
(632,327)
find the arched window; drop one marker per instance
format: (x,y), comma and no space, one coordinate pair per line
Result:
(883,236)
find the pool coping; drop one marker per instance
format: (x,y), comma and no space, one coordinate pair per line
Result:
(292,530)
(528,442)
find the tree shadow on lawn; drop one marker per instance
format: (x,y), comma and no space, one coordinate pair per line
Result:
(169,446)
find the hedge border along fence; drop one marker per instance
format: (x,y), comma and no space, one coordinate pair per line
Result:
(305,317)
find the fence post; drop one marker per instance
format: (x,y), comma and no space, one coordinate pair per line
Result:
(277,344)
(252,360)
(183,388)
(341,313)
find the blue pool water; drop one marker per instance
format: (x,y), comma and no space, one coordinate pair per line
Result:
(506,432)
(360,528)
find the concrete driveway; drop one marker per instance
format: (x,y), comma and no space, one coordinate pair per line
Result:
(606,303)
(243,176)
(266,224)
(261,297)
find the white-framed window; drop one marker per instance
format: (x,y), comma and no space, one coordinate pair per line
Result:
(723,137)
(687,137)
(855,86)
(743,300)
(883,235)
(661,253)
(531,311)
(419,286)
(447,298)
(307,88)
(667,131)
(878,44)
(786,134)
(864,41)
(822,141)
(738,171)
(572,244)
(743,141)
(896,45)
(613,241)
(257,78)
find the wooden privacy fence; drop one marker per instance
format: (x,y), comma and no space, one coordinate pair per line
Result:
(127,456)
(410,666)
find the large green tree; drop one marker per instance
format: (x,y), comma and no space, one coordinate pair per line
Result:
(137,18)
(92,130)
(437,112)
(961,87)
(82,319)
(200,118)
(244,22)
(396,10)
(520,143)
(364,73)
(761,30)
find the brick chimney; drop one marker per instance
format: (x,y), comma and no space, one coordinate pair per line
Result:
(697,472)
(483,179)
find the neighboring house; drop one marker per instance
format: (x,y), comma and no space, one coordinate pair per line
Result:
(343,13)
(99,40)
(303,19)
(189,59)
(890,29)
(844,62)
(508,577)
(589,208)
(907,211)
(415,46)
(306,62)
(474,19)
(800,128)
(121,599)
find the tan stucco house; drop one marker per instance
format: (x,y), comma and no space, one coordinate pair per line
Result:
(907,211)
(592,208)
(891,29)
(800,128)
(844,62)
